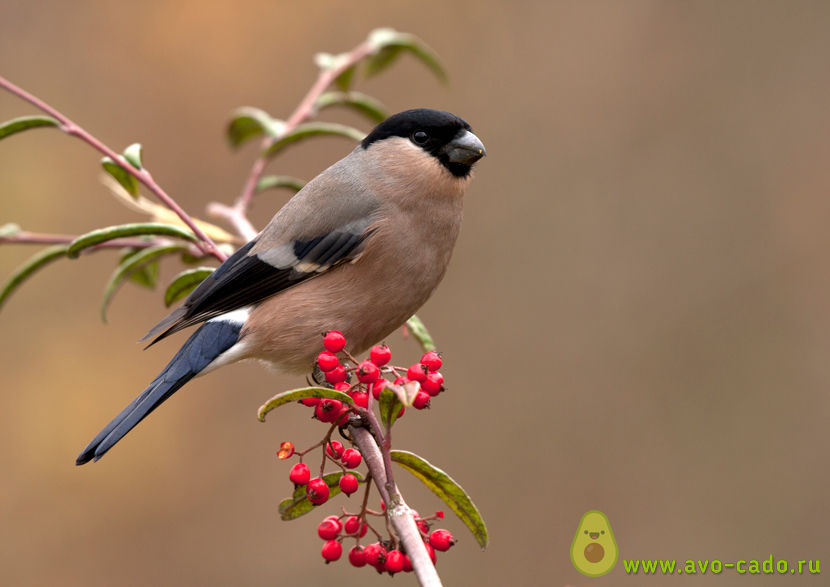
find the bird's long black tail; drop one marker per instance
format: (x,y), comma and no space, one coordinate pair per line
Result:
(211,340)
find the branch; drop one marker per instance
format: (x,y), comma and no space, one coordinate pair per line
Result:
(399,514)
(206,245)
(237,215)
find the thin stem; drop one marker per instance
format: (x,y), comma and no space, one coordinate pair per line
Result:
(142,175)
(398,513)
(237,214)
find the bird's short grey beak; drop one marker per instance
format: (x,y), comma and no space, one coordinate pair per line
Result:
(465,149)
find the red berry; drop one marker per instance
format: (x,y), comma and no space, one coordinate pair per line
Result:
(431,553)
(343,417)
(421,400)
(432,360)
(353,525)
(416,372)
(299,474)
(407,564)
(375,554)
(394,561)
(351,458)
(357,556)
(380,354)
(379,386)
(337,374)
(328,410)
(329,528)
(400,381)
(400,414)
(310,401)
(334,449)
(286,450)
(367,372)
(334,341)
(342,386)
(317,491)
(327,361)
(422,526)
(348,483)
(332,550)
(439,515)
(361,399)
(433,384)
(441,540)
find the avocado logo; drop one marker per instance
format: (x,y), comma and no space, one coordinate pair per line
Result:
(594,550)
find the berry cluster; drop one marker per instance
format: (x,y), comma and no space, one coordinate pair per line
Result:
(382,555)
(373,377)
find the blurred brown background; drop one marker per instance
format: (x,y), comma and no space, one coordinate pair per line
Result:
(637,317)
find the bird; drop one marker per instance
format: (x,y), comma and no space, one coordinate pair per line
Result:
(358,249)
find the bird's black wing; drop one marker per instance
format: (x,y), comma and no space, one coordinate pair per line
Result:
(249,276)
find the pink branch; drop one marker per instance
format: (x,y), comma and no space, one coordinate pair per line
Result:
(237,215)
(206,245)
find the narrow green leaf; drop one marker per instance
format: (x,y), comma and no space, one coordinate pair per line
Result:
(390,407)
(447,489)
(419,331)
(127,181)
(129,265)
(108,233)
(344,80)
(298,504)
(184,283)
(310,129)
(381,60)
(9,229)
(248,122)
(298,394)
(29,267)
(279,181)
(16,125)
(133,155)
(388,45)
(146,276)
(363,103)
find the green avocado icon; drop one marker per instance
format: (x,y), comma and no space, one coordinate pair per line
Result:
(594,550)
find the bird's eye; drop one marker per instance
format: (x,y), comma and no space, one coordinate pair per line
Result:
(420,137)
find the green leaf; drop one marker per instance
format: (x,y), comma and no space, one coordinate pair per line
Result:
(298,394)
(279,181)
(447,489)
(33,264)
(248,122)
(363,103)
(184,283)
(419,331)
(108,233)
(298,504)
(16,125)
(133,155)
(122,176)
(344,80)
(129,265)
(147,276)
(390,407)
(388,44)
(311,129)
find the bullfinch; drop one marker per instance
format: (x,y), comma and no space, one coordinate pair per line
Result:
(359,249)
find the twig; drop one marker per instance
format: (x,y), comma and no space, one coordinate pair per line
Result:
(237,215)
(398,513)
(142,175)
